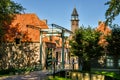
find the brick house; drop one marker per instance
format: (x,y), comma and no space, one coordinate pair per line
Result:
(21,46)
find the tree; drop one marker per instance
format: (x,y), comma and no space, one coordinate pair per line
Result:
(8,9)
(112,11)
(84,44)
(114,41)
(113,46)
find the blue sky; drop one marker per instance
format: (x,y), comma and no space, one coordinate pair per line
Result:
(59,11)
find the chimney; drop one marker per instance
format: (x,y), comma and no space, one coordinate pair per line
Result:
(99,22)
(45,21)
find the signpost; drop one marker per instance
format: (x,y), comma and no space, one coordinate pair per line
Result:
(49,58)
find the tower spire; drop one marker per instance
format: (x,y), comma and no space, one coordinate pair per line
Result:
(74,13)
(74,20)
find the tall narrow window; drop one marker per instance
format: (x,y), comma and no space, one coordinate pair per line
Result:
(109,61)
(118,62)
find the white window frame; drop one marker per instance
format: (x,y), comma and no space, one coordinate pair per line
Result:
(109,61)
(119,62)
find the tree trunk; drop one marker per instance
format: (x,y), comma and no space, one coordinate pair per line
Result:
(86,66)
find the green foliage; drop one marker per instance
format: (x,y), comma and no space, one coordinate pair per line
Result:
(7,10)
(114,41)
(110,74)
(85,43)
(57,78)
(112,11)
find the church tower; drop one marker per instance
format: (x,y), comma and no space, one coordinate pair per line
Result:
(74,20)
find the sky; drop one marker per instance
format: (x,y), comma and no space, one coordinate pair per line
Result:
(59,11)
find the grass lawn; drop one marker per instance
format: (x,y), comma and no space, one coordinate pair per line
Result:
(57,78)
(110,74)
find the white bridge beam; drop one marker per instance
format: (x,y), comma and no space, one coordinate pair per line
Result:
(54,31)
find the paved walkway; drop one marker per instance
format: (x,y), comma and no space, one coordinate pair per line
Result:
(37,75)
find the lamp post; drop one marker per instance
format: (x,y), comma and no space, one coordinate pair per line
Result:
(54,61)
(63,61)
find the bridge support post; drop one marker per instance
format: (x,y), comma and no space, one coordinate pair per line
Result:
(63,61)
(41,50)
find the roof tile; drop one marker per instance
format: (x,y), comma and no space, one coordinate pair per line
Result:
(18,28)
